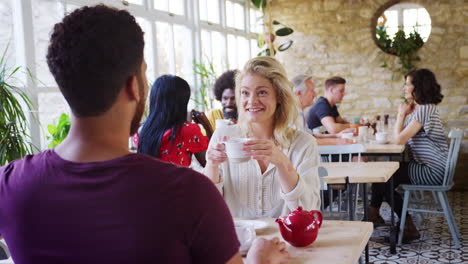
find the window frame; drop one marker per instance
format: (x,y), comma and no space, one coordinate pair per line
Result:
(25,50)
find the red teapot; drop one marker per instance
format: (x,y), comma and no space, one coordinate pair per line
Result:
(300,227)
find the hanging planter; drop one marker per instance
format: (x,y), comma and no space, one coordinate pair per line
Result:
(272,30)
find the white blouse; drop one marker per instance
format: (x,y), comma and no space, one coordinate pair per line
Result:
(249,193)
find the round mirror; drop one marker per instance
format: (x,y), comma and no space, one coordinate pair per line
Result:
(401,26)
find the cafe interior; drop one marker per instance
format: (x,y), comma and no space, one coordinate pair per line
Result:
(373,49)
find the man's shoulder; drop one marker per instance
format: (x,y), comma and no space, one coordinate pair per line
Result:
(215,112)
(321,102)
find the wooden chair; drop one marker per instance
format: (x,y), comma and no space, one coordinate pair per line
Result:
(327,152)
(455,136)
(4,247)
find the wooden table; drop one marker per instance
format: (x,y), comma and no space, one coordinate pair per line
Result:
(353,173)
(384,148)
(359,172)
(338,242)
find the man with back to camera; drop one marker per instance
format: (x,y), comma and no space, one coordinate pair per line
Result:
(324,112)
(223,90)
(90,200)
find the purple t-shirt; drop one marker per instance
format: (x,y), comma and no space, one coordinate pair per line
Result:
(132,209)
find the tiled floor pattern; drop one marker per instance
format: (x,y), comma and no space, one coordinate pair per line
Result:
(435,244)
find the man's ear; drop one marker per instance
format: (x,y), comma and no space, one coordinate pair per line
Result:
(131,88)
(298,92)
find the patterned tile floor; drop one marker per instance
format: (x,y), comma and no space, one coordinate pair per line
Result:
(435,244)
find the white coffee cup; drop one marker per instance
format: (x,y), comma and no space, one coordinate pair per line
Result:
(222,123)
(381,137)
(234,150)
(246,235)
(347,135)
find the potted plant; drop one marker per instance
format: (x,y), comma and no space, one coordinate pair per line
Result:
(58,132)
(402,46)
(14,139)
(272,30)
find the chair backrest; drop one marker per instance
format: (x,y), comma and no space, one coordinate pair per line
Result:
(4,247)
(341,150)
(455,136)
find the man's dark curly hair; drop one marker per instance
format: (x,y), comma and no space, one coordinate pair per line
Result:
(227,80)
(426,89)
(92,53)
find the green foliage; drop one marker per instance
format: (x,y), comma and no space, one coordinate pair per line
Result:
(264,39)
(14,140)
(207,75)
(58,132)
(260,4)
(405,48)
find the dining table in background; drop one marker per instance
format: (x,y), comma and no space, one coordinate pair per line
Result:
(338,242)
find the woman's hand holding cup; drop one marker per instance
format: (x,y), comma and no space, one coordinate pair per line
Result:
(264,149)
(216,154)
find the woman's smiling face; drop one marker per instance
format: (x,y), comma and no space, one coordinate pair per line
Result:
(258,99)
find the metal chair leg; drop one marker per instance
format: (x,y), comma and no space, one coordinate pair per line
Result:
(452,216)
(403,216)
(451,224)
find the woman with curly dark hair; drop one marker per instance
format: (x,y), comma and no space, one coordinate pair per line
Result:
(418,125)
(224,92)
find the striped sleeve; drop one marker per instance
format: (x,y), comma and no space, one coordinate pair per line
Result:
(423,114)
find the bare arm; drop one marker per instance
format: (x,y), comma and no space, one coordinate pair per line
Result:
(214,156)
(402,135)
(333,127)
(340,120)
(201,157)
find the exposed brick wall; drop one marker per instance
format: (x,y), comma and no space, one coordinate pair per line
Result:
(334,37)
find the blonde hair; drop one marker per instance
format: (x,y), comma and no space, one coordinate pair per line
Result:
(286,110)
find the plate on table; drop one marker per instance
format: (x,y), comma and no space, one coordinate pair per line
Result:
(257,224)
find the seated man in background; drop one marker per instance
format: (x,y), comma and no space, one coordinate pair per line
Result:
(224,92)
(304,89)
(90,200)
(324,112)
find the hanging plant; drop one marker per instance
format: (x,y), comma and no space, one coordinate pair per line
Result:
(405,48)
(272,30)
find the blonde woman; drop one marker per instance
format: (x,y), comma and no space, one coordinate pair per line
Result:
(282,172)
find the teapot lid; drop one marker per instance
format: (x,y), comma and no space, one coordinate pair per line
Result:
(300,217)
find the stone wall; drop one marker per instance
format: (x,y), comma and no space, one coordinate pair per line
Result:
(333,37)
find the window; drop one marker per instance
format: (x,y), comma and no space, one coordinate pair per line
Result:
(176,33)
(235,15)
(171,6)
(209,11)
(408,17)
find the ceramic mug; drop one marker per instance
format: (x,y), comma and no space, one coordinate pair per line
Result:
(222,123)
(234,150)
(381,137)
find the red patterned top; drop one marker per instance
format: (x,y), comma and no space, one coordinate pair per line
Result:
(188,141)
